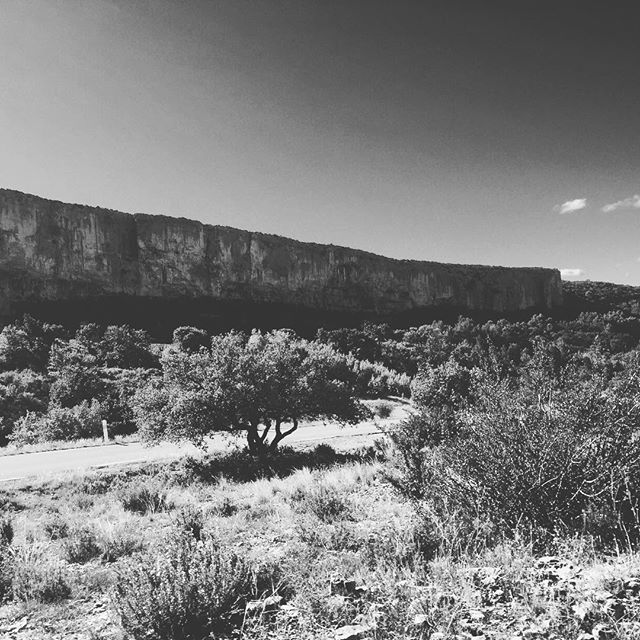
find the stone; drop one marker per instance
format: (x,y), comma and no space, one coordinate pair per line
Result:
(268,605)
(69,262)
(420,620)
(352,632)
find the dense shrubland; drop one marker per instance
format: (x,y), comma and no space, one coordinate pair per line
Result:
(60,386)
(57,384)
(523,442)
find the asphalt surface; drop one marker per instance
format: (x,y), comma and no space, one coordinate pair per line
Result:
(25,465)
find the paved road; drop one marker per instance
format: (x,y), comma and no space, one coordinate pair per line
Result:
(69,460)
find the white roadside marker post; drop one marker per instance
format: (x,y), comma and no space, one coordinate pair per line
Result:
(105,431)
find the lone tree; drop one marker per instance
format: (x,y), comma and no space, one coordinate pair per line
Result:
(261,385)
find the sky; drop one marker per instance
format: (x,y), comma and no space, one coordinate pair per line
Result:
(495,132)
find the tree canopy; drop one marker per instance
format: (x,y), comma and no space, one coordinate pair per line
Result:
(261,385)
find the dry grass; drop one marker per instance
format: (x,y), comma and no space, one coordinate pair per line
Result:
(336,545)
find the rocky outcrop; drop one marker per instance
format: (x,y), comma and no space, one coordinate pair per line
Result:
(75,262)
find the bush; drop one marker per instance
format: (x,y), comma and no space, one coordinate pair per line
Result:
(118,542)
(190,519)
(82,545)
(556,454)
(59,423)
(6,565)
(6,573)
(147,497)
(25,344)
(56,527)
(447,385)
(374,380)
(191,590)
(383,409)
(191,339)
(85,543)
(38,576)
(20,392)
(326,502)
(6,530)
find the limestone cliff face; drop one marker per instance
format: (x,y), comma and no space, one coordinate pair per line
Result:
(52,253)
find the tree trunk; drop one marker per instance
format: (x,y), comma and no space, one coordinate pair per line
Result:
(256,440)
(280,435)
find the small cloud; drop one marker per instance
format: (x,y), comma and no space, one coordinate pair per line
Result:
(628,203)
(571,205)
(571,273)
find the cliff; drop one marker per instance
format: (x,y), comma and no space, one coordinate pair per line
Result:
(72,262)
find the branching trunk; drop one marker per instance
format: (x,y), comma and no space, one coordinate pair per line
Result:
(280,435)
(257,442)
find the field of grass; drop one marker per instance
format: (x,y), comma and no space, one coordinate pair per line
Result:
(316,545)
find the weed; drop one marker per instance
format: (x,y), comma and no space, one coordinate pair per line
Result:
(144,498)
(117,542)
(326,502)
(190,519)
(38,576)
(6,530)
(56,527)
(82,545)
(6,572)
(189,591)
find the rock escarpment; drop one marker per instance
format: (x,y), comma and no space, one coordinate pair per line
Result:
(72,262)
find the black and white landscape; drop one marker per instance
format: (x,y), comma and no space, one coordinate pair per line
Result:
(319,320)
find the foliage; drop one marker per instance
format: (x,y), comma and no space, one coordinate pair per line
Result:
(374,380)
(325,501)
(189,591)
(38,576)
(25,344)
(556,450)
(144,497)
(82,545)
(446,385)
(76,374)
(118,346)
(108,542)
(6,573)
(383,409)
(247,385)
(56,527)
(6,567)
(6,530)
(20,392)
(362,344)
(191,339)
(59,423)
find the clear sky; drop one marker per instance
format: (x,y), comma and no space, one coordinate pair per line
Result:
(491,131)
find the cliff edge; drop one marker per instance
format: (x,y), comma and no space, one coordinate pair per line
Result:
(72,262)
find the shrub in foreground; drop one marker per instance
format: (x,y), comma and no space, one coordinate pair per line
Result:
(191,590)
(6,568)
(555,455)
(108,543)
(146,497)
(38,576)
(6,530)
